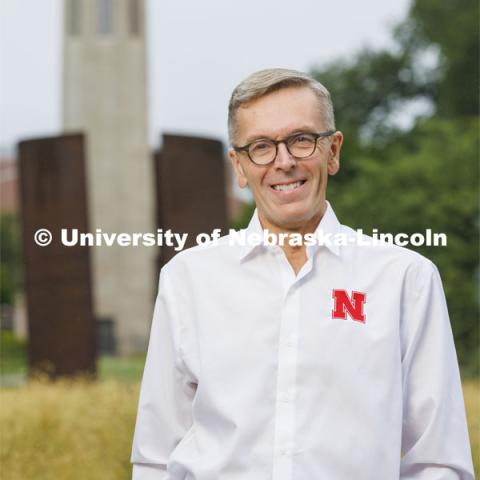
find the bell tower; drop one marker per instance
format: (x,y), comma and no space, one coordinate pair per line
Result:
(104,96)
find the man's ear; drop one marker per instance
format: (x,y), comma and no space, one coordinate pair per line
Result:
(333,164)
(237,167)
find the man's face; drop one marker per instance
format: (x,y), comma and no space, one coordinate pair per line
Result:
(276,116)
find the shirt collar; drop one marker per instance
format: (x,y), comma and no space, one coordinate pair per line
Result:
(329,225)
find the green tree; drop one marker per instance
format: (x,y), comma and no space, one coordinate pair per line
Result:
(452,27)
(9,258)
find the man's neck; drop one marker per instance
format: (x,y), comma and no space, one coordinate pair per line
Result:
(296,254)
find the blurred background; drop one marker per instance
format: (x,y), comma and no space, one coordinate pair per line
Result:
(113,116)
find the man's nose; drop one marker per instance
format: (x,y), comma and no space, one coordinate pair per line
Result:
(284,159)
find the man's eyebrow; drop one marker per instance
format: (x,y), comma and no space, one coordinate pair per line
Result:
(258,136)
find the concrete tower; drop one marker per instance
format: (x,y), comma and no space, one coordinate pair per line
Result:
(104,95)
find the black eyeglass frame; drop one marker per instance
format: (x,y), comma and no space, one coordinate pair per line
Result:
(245,148)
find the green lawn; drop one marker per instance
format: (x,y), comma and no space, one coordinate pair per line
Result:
(13,363)
(127,369)
(12,354)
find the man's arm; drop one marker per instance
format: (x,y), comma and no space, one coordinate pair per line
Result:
(164,409)
(435,442)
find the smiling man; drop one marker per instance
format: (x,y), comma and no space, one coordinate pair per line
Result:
(298,362)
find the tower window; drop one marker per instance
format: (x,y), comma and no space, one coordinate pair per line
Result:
(74,17)
(105,16)
(134,17)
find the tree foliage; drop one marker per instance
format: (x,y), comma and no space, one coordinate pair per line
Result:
(453,27)
(9,258)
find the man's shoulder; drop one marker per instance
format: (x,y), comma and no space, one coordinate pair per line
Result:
(388,255)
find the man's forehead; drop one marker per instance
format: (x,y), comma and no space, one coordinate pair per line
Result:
(280,113)
(276,132)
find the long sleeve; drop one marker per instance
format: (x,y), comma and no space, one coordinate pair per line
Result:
(166,395)
(435,444)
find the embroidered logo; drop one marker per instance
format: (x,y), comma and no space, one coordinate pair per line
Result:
(351,305)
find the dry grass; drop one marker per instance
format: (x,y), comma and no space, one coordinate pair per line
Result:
(471,391)
(83,430)
(67,431)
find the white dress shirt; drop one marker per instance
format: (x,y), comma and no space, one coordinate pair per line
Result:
(252,374)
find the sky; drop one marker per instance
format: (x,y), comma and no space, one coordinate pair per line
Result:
(198,51)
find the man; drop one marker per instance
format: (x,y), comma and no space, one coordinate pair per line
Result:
(298,362)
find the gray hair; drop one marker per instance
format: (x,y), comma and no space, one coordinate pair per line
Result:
(266,81)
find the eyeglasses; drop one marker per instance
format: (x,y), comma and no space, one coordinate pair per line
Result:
(300,145)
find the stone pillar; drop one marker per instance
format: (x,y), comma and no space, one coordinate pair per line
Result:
(105,96)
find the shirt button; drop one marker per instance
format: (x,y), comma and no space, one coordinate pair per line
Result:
(285,453)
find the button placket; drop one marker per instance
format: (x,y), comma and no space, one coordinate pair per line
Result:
(285,407)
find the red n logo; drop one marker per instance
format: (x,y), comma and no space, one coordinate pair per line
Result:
(343,305)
